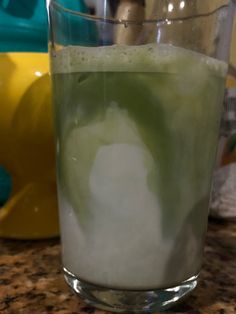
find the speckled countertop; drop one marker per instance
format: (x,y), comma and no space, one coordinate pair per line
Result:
(31,281)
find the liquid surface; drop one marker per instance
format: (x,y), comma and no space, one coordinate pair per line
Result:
(145,58)
(137,130)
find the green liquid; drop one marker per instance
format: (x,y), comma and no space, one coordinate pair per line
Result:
(136,152)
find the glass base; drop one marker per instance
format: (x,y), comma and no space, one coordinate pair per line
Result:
(127,301)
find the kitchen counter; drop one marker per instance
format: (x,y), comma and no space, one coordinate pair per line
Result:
(31,281)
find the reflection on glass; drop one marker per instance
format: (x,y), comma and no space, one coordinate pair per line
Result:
(170,7)
(182,4)
(38,73)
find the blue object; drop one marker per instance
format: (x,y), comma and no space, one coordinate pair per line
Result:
(5,185)
(23,26)
(72,29)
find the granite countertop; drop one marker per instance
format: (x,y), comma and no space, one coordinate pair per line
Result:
(31,281)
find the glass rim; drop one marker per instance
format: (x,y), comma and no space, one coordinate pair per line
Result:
(54,4)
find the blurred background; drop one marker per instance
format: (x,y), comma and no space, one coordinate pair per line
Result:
(27,166)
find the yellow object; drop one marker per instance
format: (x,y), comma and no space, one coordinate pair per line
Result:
(231,81)
(27,146)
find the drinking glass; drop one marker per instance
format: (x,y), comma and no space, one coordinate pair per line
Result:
(138,89)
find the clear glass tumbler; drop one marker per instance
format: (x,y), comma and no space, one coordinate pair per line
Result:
(138,88)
